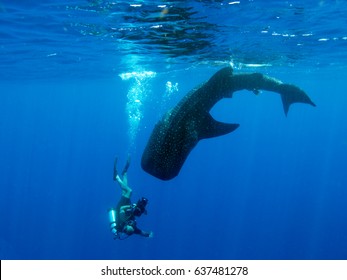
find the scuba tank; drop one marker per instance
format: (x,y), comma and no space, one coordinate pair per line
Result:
(112,217)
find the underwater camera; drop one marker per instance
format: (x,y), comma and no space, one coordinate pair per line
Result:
(141,207)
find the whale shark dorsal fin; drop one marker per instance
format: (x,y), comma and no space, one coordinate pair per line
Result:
(221,76)
(209,127)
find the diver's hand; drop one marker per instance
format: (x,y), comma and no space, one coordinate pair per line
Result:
(151,234)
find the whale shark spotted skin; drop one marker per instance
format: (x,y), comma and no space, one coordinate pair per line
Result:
(182,127)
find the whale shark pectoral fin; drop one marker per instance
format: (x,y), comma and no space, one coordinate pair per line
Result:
(292,94)
(210,128)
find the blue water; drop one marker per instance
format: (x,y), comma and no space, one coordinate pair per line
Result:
(276,188)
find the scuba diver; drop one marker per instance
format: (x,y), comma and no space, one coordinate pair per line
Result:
(122,218)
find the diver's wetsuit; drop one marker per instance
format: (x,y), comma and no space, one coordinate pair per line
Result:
(124,217)
(127,217)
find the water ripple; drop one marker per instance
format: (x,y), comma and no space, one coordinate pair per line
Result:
(118,36)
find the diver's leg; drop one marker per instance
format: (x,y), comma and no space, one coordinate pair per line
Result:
(126,190)
(125,178)
(123,182)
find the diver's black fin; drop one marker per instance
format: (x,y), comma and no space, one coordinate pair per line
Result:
(126,166)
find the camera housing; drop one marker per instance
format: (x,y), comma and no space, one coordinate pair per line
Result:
(140,207)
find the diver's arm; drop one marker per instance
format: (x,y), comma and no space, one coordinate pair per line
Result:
(146,233)
(125,208)
(143,233)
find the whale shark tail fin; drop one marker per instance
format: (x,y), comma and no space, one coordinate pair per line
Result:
(292,94)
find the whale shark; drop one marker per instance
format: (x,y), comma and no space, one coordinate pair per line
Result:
(183,126)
